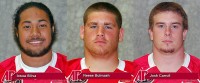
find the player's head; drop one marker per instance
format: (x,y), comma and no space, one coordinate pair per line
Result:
(106,7)
(102,28)
(171,7)
(34,28)
(168,25)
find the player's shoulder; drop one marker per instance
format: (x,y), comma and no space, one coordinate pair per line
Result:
(130,67)
(76,60)
(61,56)
(8,62)
(74,63)
(194,58)
(143,60)
(61,61)
(128,64)
(194,63)
(140,63)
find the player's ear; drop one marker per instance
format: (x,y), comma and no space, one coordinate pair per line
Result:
(184,33)
(121,34)
(82,32)
(150,33)
(16,32)
(53,29)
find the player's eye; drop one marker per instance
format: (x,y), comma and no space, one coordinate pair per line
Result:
(107,27)
(174,26)
(93,26)
(161,26)
(42,26)
(27,27)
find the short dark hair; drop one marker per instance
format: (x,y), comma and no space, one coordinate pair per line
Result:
(103,6)
(168,6)
(39,5)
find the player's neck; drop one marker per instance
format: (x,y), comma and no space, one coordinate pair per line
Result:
(36,61)
(99,63)
(169,62)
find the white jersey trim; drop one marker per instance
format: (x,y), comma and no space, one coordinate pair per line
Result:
(83,65)
(20,65)
(151,61)
(121,65)
(185,63)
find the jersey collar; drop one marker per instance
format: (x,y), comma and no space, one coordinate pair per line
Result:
(185,63)
(121,65)
(20,65)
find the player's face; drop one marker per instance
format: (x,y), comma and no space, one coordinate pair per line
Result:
(34,32)
(101,33)
(167,34)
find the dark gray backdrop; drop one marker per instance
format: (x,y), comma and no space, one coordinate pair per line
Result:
(68,15)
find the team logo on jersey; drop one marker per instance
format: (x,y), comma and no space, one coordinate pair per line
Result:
(141,77)
(74,77)
(8,77)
